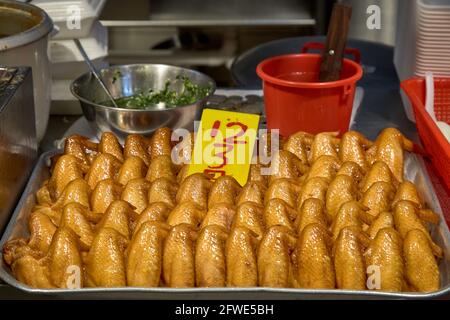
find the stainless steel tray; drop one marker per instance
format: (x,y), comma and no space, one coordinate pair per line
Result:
(416,172)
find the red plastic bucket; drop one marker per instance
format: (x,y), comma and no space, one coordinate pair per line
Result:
(296,101)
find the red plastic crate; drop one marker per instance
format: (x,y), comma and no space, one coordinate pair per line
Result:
(434,142)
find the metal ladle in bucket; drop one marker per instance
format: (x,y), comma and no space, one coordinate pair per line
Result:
(94,71)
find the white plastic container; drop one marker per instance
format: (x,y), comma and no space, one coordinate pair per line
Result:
(74,18)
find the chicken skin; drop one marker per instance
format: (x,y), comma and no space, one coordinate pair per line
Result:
(286,165)
(76,191)
(145,253)
(74,218)
(210,259)
(274,258)
(283,189)
(340,190)
(378,197)
(250,215)
(64,260)
(353,147)
(256,174)
(120,217)
(32,272)
(325,167)
(252,192)
(279,213)
(105,166)
(385,255)
(313,188)
(406,219)
(242,268)
(160,143)
(104,194)
(136,194)
(161,167)
(156,212)
(179,257)
(324,144)
(137,146)
(110,144)
(314,264)
(421,268)
(349,262)
(221,214)
(66,169)
(299,144)
(41,230)
(384,220)
(312,211)
(353,170)
(224,190)
(379,172)
(389,147)
(105,262)
(81,148)
(350,214)
(186,213)
(195,188)
(132,168)
(163,190)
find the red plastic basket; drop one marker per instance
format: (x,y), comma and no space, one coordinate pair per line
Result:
(434,142)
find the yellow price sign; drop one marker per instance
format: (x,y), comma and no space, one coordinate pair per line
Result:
(224,144)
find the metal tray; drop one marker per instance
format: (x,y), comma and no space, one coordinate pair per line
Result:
(416,172)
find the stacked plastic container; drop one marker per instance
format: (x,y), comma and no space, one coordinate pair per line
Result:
(73,19)
(422,41)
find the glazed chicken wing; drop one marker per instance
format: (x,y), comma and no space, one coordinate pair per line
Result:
(144,255)
(76,191)
(195,188)
(299,144)
(283,189)
(252,192)
(221,214)
(279,213)
(224,190)
(351,169)
(378,197)
(385,256)
(105,263)
(353,147)
(160,143)
(67,169)
(41,231)
(120,217)
(349,262)
(186,213)
(421,268)
(104,194)
(286,165)
(136,194)
(210,259)
(73,218)
(384,220)
(389,147)
(250,215)
(64,260)
(314,264)
(179,257)
(324,143)
(325,167)
(132,168)
(350,214)
(379,172)
(274,258)
(340,190)
(81,148)
(137,146)
(242,269)
(105,166)
(161,167)
(110,144)
(163,190)
(312,211)
(156,212)
(313,188)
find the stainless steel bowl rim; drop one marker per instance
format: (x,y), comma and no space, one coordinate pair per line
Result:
(38,31)
(74,83)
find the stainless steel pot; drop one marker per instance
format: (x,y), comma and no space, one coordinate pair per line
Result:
(127,80)
(24,31)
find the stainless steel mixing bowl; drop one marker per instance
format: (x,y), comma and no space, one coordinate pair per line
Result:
(127,80)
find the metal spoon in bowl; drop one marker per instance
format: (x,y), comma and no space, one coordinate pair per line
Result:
(94,71)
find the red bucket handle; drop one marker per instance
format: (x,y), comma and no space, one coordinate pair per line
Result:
(320,46)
